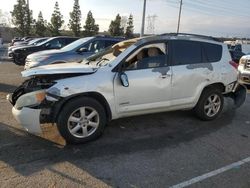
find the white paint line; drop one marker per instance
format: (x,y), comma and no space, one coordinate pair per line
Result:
(211,174)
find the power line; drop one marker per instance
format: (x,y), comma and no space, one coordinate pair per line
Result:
(209,8)
(213,9)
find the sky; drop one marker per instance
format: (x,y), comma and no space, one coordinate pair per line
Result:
(226,18)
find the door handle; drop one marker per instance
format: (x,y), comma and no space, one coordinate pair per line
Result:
(163,76)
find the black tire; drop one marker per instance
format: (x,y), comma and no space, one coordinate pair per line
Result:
(203,101)
(15,61)
(63,123)
(19,61)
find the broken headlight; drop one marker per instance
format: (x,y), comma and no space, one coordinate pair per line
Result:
(30,99)
(243,61)
(34,84)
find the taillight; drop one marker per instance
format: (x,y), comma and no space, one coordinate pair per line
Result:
(235,65)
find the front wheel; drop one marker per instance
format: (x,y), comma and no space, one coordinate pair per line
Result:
(210,104)
(81,120)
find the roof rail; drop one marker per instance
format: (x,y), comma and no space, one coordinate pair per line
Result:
(109,36)
(193,35)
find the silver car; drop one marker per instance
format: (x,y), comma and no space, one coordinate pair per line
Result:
(74,52)
(139,76)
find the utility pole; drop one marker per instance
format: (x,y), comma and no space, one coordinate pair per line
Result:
(28,5)
(143,18)
(179,19)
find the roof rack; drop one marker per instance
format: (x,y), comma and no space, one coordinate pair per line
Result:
(193,35)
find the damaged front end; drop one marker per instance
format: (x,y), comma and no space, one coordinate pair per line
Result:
(33,105)
(28,101)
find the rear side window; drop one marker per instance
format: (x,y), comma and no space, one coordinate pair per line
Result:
(69,40)
(110,42)
(212,52)
(194,52)
(186,52)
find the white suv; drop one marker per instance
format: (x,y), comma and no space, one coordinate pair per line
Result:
(139,76)
(244,70)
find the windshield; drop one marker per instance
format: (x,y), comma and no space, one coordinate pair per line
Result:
(36,41)
(110,53)
(32,41)
(76,44)
(40,41)
(44,42)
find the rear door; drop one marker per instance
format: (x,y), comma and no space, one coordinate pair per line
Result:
(190,71)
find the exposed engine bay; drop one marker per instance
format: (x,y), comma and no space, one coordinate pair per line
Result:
(38,83)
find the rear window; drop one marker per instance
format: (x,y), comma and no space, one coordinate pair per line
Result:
(213,52)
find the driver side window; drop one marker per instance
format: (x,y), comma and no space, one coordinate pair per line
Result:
(95,46)
(149,56)
(54,44)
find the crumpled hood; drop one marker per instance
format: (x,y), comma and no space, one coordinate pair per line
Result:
(44,53)
(64,68)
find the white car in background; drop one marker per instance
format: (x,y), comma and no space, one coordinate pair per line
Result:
(244,70)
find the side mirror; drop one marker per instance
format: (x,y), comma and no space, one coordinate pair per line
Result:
(124,79)
(82,50)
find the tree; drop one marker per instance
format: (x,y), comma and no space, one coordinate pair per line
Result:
(124,21)
(115,28)
(40,26)
(22,17)
(28,20)
(56,21)
(90,28)
(75,19)
(130,27)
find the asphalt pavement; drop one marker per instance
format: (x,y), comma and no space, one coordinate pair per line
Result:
(158,150)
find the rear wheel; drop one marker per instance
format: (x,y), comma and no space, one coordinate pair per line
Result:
(81,120)
(210,104)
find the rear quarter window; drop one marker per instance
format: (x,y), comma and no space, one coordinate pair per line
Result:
(212,52)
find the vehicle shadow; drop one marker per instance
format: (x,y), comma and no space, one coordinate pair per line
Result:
(28,154)
(6,88)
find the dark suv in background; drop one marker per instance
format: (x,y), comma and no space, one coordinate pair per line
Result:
(74,52)
(20,54)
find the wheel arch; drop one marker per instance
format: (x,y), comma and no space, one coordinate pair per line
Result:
(58,62)
(217,85)
(95,95)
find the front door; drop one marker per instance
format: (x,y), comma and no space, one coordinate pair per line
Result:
(149,79)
